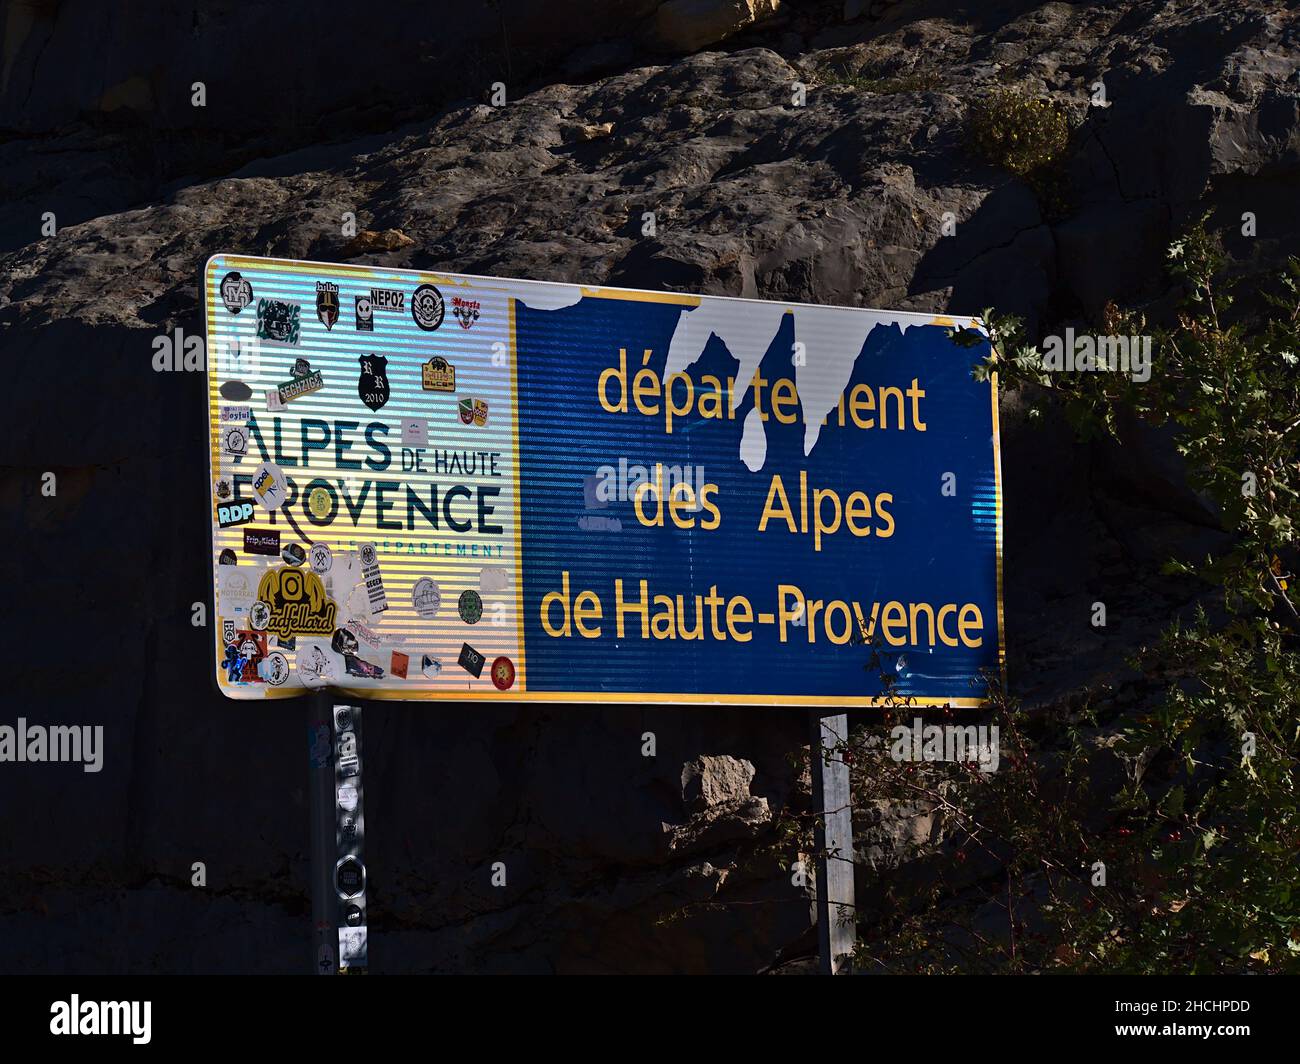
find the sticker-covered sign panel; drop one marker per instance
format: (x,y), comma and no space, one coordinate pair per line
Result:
(432,486)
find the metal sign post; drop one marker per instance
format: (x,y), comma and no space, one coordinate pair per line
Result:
(320,790)
(836,912)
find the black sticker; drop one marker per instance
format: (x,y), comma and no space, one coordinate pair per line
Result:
(261,541)
(350,877)
(471,661)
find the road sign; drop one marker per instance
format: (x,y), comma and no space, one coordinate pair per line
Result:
(434,486)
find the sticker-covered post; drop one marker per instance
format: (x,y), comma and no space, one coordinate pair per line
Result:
(320,791)
(833,842)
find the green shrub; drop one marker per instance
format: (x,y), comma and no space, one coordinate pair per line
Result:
(1020,133)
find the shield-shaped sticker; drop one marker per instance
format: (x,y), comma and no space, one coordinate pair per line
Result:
(372,385)
(327,303)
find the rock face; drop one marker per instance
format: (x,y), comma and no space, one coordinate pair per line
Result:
(686,25)
(617,862)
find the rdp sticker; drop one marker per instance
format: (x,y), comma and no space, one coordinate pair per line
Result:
(230,514)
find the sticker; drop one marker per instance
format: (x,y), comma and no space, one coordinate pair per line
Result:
(427,307)
(315,666)
(236,292)
(227,631)
(357,667)
(373,580)
(262,541)
(236,391)
(293,554)
(365,314)
(503,674)
(399,663)
(237,591)
(372,384)
(228,557)
(230,514)
(286,642)
(305,384)
(367,635)
(321,558)
(348,797)
(327,303)
(415,431)
(470,607)
(426,596)
(352,947)
(273,402)
(239,414)
(387,299)
(270,486)
(430,666)
(234,440)
(493,578)
(470,660)
(438,375)
(299,605)
(473,412)
(464,311)
(352,915)
(259,616)
(318,743)
(301,368)
(344,642)
(243,654)
(277,321)
(350,877)
(275,669)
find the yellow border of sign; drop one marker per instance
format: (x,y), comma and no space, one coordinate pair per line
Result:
(521,670)
(519,693)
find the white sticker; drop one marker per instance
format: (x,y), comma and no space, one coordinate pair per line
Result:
(415,431)
(373,580)
(270,486)
(493,578)
(321,558)
(238,589)
(426,596)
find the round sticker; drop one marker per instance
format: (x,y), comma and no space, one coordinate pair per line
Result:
(427,307)
(426,597)
(503,673)
(470,607)
(315,666)
(321,558)
(228,557)
(259,616)
(236,292)
(276,668)
(270,486)
(318,502)
(293,554)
